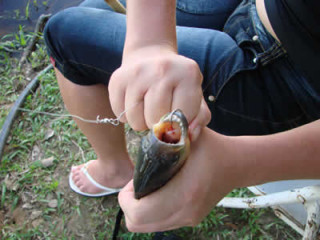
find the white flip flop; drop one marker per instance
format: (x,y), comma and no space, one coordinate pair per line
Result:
(105,190)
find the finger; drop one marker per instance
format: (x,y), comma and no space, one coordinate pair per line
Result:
(126,197)
(150,227)
(144,224)
(158,102)
(129,187)
(143,215)
(126,191)
(200,121)
(131,208)
(116,89)
(187,94)
(134,104)
(188,101)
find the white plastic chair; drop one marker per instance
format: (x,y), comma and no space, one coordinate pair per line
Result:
(297,202)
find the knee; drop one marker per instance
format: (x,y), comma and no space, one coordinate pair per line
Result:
(58,30)
(95,4)
(56,24)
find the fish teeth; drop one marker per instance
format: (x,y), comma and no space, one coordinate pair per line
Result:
(173,118)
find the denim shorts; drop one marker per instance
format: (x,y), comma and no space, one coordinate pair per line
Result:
(250,84)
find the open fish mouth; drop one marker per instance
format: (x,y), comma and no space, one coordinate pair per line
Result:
(162,153)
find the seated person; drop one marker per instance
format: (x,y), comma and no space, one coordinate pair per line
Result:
(250,91)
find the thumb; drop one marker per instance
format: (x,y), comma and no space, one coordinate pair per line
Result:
(129,187)
(126,194)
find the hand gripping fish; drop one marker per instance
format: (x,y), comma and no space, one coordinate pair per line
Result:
(162,153)
(163,150)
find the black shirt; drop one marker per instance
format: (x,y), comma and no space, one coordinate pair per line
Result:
(297,25)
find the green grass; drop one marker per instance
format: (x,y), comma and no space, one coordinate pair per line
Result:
(27,187)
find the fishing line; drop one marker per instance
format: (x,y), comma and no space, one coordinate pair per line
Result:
(112,121)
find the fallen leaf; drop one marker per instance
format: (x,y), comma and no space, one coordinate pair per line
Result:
(48,162)
(35,154)
(27,206)
(10,183)
(53,203)
(49,134)
(35,214)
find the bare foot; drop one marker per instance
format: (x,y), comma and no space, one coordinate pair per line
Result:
(103,174)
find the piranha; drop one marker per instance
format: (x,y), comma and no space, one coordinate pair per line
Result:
(162,153)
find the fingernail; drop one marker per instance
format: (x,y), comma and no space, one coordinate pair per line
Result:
(195,133)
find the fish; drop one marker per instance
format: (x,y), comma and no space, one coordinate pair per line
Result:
(162,153)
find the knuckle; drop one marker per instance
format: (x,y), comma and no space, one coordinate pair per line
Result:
(162,65)
(164,87)
(117,74)
(193,65)
(193,71)
(116,82)
(112,80)
(137,70)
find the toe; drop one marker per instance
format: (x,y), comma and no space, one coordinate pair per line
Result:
(83,188)
(82,182)
(77,182)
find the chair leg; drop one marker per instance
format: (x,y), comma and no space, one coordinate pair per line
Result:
(313,220)
(309,197)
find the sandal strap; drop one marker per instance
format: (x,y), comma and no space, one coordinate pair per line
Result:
(84,169)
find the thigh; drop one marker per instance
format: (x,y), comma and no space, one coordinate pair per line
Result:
(246,97)
(193,13)
(101,4)
(261,91)
(210,14)
(216,53)
(86,43)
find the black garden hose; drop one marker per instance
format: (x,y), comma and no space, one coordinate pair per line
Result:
(31,87)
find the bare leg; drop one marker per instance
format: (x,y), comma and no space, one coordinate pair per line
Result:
(113,168)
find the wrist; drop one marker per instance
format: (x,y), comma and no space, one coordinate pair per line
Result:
(230,156)
(214,163)
(150,22)
(221,156)
(143,51)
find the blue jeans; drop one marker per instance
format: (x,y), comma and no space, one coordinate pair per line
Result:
(201,13)
(250,84)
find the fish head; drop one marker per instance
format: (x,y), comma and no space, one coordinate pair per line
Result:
(162,153)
